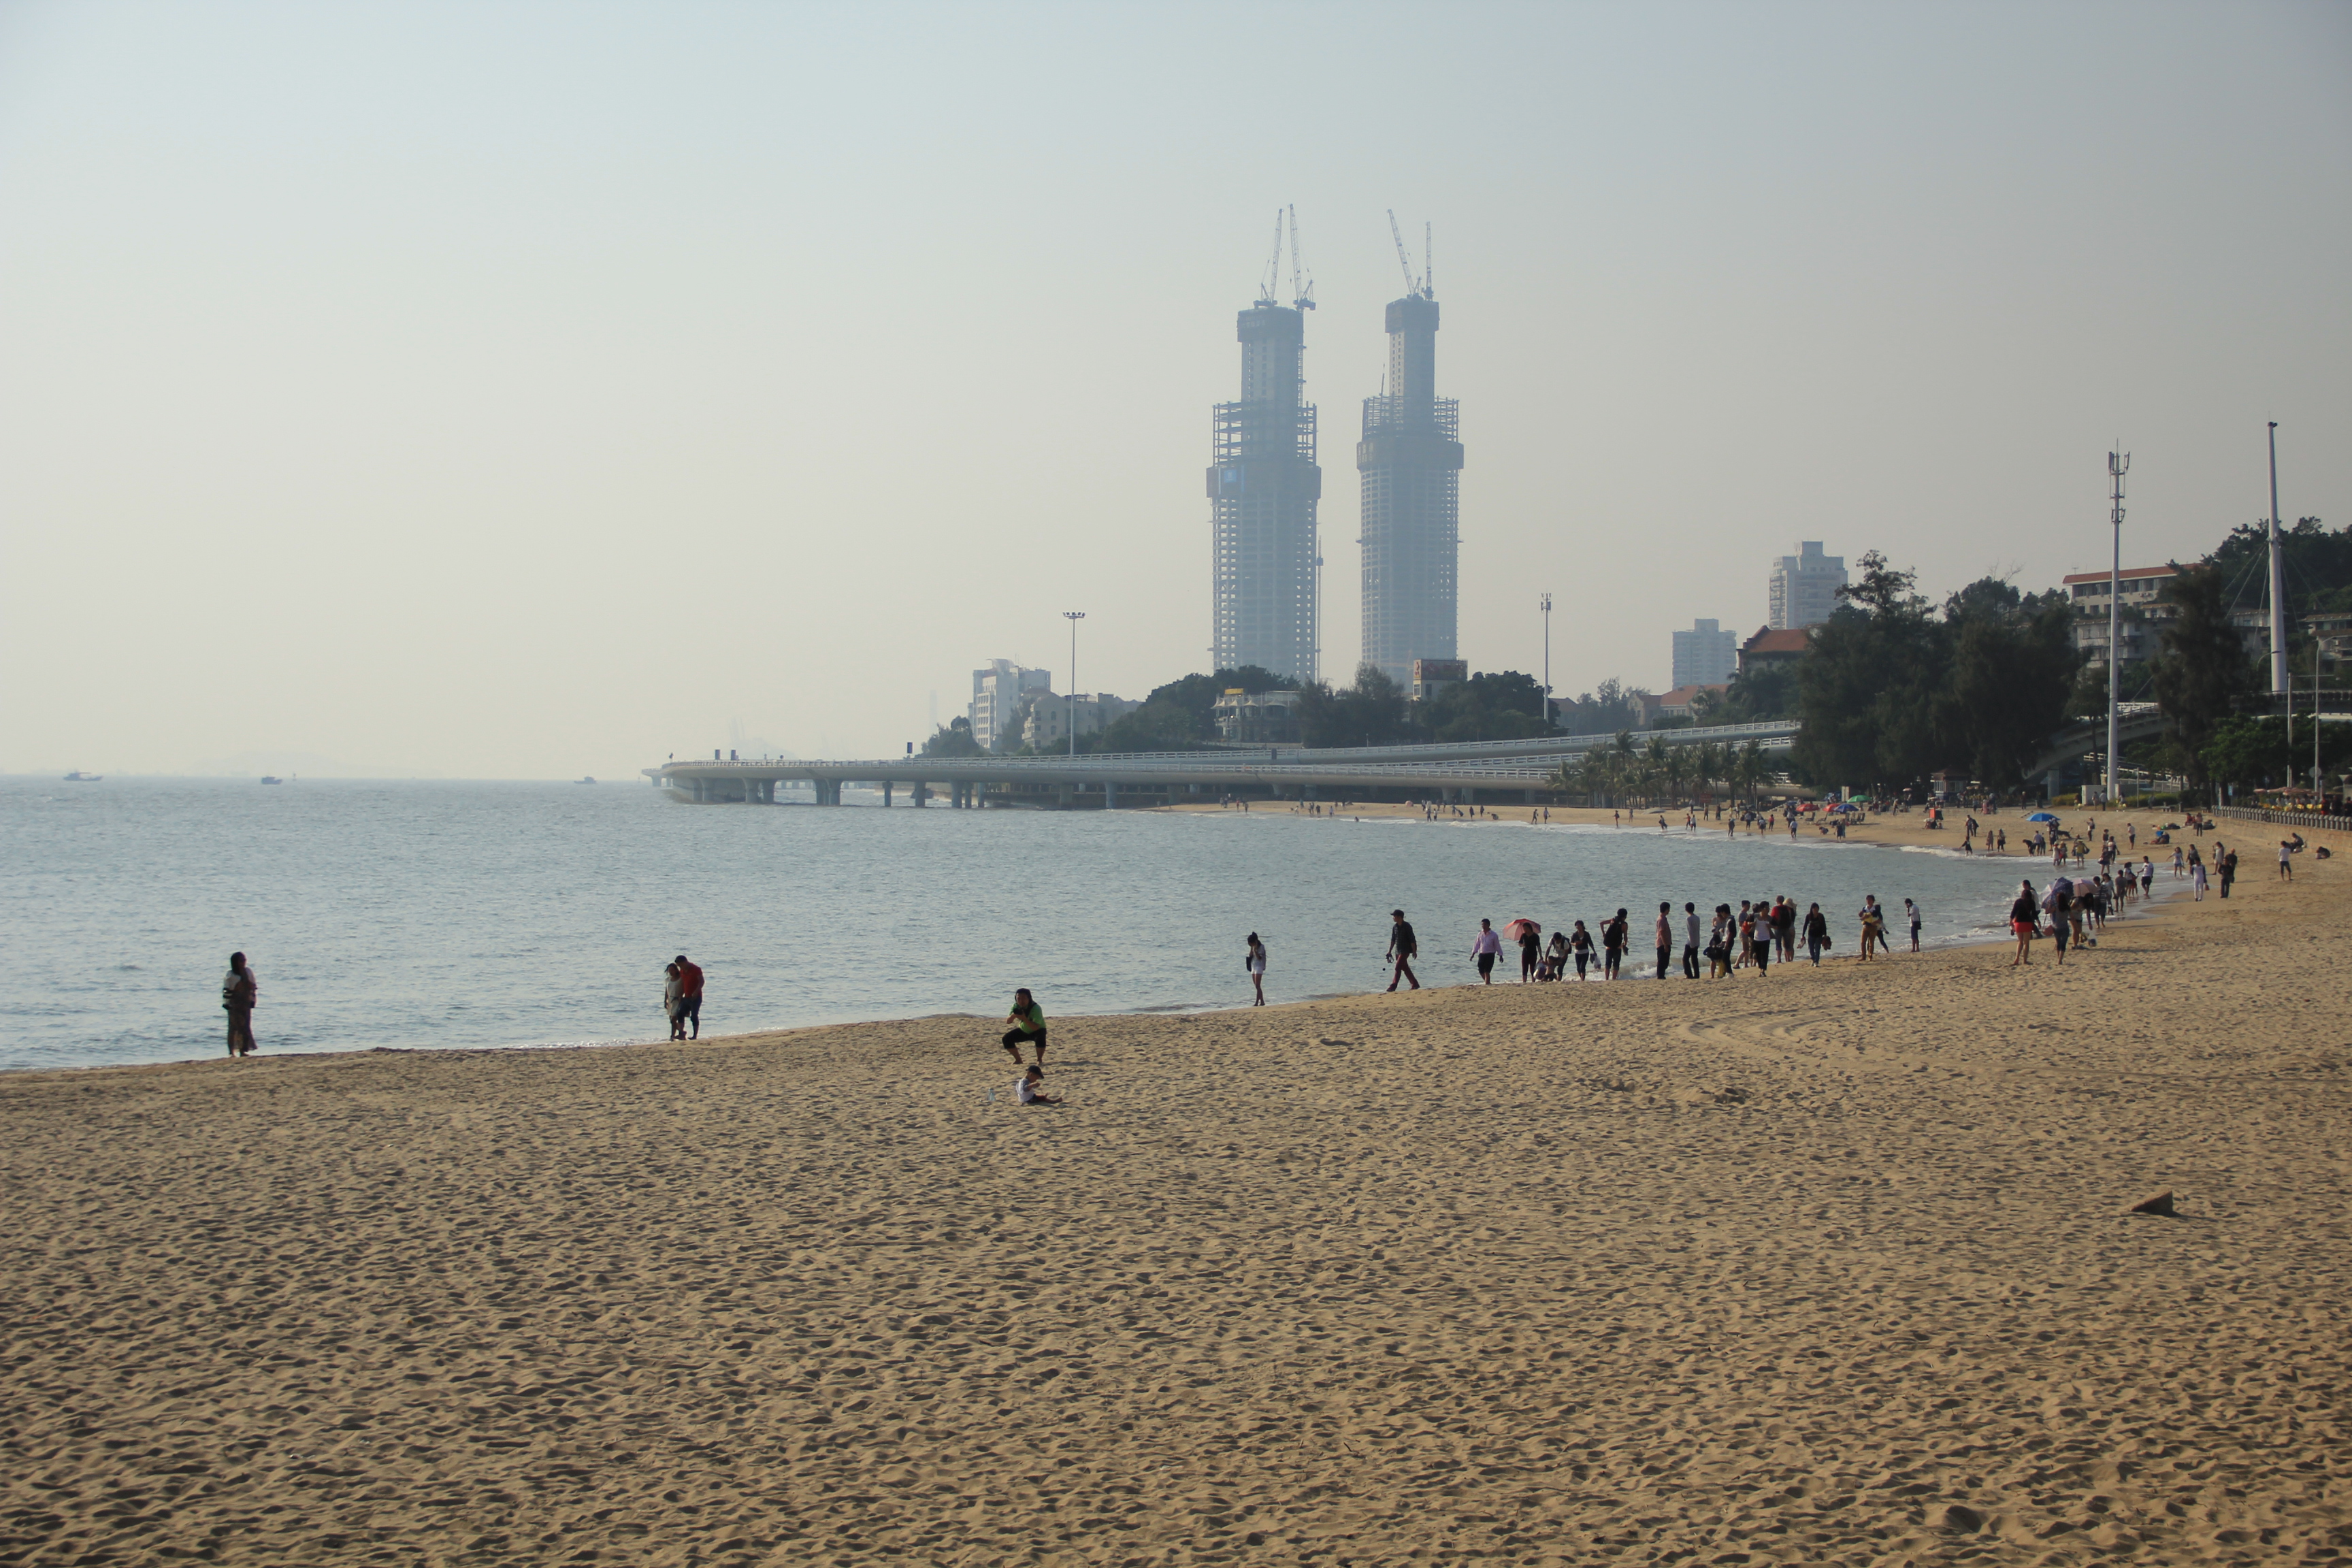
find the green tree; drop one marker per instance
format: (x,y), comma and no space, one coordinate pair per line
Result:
(1180,715)
(2013,664)
(1371,712)
(1609,707)
(1869,687)
(952,739)
(1766,690)
(1487,707)
(2201,670)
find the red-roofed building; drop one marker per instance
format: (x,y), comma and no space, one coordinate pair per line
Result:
(1674,704)
(1770,647)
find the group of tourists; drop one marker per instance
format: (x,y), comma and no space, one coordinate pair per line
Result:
(2073,911)
(1753,937)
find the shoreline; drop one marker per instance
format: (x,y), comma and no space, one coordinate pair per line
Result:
(1836,1268)
(1917,839)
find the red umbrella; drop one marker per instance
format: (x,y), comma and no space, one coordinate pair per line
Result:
(1519,927)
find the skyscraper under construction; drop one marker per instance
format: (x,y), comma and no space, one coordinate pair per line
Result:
(1262,488)
(1410,458)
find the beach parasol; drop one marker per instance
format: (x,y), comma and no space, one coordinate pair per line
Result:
(1520,927)
(2041,817)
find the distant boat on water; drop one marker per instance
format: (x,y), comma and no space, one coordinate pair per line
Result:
(271,778)
(78,776)
(590,779)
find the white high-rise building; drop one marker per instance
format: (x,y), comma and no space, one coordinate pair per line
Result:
(997,693)
(1803,587)
(1705,655)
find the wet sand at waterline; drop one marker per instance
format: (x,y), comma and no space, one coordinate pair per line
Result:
(1829,1267)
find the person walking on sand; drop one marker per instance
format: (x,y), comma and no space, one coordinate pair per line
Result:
(1404,947)
(2227,859)
(1254,961)
(1913,914)
(1690,940)
(1817,933)
(1484,947)
(1029,1088)
(1761,950)
(1028,1024)
(1784,927)
(1581,945)
(1665,939)
(2286,860)
(674,1000)
(2024,916)
(1530,950)
(1613,935)
(689,977)
(2058,902)
(240,990)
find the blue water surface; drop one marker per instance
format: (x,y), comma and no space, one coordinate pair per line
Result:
(441,914)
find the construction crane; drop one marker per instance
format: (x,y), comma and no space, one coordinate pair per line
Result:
(1272,278)
(1404,260)
(1302,288)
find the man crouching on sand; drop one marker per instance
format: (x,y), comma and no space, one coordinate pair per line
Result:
(1028,1021)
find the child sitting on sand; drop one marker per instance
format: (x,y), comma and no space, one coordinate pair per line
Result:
(1030,1088)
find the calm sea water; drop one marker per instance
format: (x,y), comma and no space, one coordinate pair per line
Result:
(502,914)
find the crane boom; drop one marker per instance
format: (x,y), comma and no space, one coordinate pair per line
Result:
(1271,280)
(1428,263)
(1403,260)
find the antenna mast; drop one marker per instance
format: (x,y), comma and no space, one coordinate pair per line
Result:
(1428,264)
(2119,463)
(2278,591)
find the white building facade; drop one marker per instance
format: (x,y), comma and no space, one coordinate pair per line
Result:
(998,691)
(1705,655)
(1803,588)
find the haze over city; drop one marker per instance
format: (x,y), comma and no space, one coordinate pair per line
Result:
(537,391)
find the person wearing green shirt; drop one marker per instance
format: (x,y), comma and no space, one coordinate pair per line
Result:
(1028,1021)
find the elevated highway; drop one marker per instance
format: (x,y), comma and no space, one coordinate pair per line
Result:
(1447,771)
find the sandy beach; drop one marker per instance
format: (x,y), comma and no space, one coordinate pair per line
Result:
(1830,1267)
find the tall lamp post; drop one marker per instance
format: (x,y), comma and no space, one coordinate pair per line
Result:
(2117,463)
(1074,617)
(1545,603)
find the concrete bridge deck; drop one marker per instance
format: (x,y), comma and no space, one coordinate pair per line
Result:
(1446,770)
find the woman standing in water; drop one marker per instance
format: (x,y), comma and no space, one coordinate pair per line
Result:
(1256,965)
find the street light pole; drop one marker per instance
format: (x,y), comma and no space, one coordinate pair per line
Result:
(1074,617)
(1545,603)
(2118,462)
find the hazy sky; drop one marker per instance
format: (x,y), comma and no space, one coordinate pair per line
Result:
(520,390)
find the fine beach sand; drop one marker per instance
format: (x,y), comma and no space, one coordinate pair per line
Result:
(1830,1267)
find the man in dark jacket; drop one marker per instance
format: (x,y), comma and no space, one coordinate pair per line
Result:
(1402,946)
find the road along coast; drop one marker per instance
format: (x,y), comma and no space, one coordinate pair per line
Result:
(1826,1266)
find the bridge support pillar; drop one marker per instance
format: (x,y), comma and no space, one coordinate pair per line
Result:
(1111,795)
(767,792)
(701,791)
(919,795)
(886,794)
(1062,793)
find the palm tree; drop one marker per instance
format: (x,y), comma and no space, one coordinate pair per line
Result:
(1706,766)
(1752,768)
